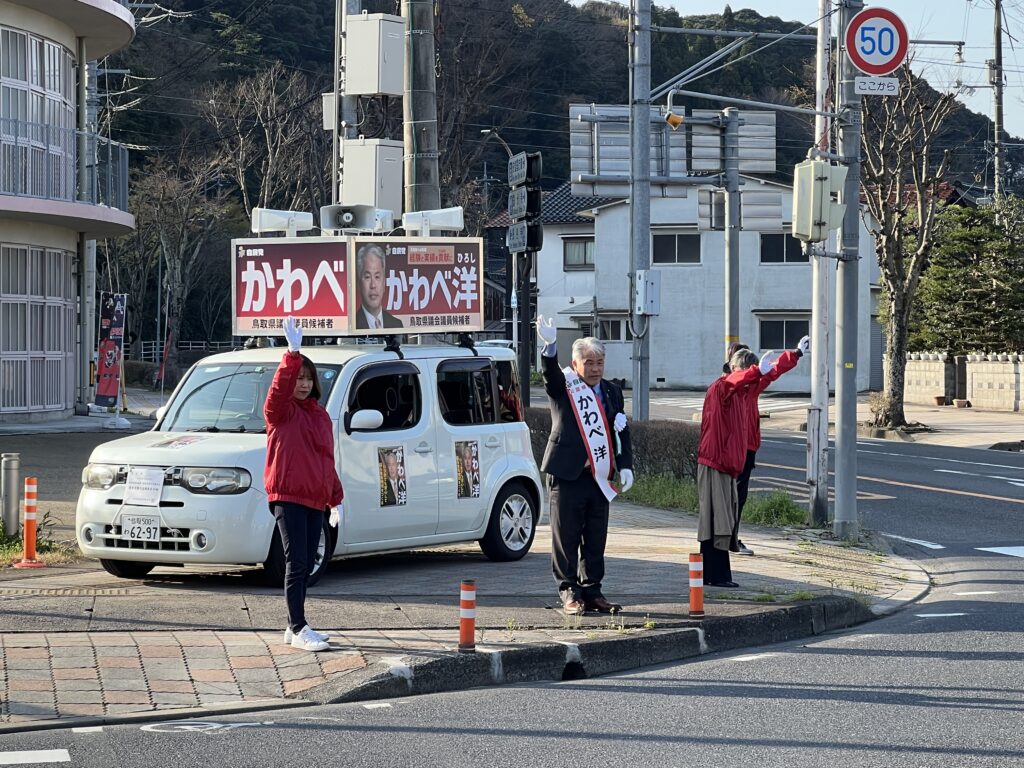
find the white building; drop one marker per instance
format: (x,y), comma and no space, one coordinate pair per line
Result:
(583,282)
(51,205)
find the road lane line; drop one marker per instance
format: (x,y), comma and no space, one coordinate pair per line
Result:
(916,486)
(927,544)
(937,615)
(753,657)
(981,592)
(1014,480)
(34,756)
(88,729)
(1011,551)
(799,443)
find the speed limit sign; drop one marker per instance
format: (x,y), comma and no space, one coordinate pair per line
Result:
(876,41)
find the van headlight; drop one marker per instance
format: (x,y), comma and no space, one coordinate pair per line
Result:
(99,476)
(215,479)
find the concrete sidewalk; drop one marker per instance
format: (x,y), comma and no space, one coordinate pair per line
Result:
(78,646)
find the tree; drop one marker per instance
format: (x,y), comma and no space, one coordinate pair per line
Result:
(901,174)
(971,298)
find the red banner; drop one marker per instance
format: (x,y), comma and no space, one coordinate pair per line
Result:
(110,347)
(306,278)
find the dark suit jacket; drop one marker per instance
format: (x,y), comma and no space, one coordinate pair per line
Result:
(566,455)
(390,321)
(390,499)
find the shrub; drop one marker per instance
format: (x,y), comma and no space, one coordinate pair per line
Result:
(773,509)
(659,447)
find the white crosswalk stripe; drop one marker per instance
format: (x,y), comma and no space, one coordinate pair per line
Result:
(35,757)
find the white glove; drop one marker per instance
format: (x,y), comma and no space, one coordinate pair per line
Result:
(626,478)
(336,513)
(546,331)
(767,361)
(804,346)
(620,422)
(293,333)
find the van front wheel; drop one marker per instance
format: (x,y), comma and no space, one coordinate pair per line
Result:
(274,565)
(125,569)
(512,526)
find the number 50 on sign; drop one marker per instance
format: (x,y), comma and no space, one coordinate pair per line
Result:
(876,41)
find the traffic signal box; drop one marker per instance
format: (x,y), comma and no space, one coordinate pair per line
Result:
(525,234)
(816,187)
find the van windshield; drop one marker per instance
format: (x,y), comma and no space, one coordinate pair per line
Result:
(230,397)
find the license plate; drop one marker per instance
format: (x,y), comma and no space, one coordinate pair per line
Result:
(140,527)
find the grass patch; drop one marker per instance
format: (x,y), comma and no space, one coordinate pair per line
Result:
(49,551)
(665,491)
(802,594)
(769,598)
(774,509)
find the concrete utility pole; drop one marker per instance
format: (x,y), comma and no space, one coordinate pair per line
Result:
(846,524)
(731,168)
(86,247)
(344,106)
(419,105)
(817,414)
(996,78)
(640,192)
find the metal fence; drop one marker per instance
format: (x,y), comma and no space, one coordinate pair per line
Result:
(40,160)
(153,350)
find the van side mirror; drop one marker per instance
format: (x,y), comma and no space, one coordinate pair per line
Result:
(160,412)
(364,419)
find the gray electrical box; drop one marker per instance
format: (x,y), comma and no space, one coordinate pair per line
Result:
(372,173)
(648,292)
(374,55)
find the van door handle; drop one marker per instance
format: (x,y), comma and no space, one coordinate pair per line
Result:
(423,448)
(493,442)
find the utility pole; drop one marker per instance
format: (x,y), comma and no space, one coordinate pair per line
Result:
(86,247)
(996,78)
(640,191)
(845,524)
(419,105)
(731,168)
(345,117)
(817,414)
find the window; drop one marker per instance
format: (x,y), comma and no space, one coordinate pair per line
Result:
(615,330)
(508,391)
(394,390)
(782,334)
(676,249)
(578,253)
(465,392)
(781,248)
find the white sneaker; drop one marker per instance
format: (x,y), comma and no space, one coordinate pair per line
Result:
(308,640)
(288,634)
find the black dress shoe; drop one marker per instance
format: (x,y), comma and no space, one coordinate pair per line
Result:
(729,584)
(601,605)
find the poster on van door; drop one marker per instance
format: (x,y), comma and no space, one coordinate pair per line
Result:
(110,347)
(391,468)
(467,466)
(417,285)
(304,277)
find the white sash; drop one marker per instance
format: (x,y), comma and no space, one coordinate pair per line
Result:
(594,429)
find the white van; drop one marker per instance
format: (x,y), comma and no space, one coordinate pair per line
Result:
(431,448)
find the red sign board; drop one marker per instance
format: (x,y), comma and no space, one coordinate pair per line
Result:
(876,41)
(110,347)
(397,285)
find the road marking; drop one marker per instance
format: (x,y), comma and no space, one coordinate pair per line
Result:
(1012,480)
(753,657)
(1011,551)
(928,544)
(910,485)
(377,705)
(982,592)
(951,461)
(88,729)
(937,615)
(29,757)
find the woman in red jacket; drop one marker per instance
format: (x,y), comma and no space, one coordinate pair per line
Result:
(300,477)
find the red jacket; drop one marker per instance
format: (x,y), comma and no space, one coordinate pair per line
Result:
(724,422)
(300,444)
(786,362)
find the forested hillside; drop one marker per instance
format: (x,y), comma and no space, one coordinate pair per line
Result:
(223,107)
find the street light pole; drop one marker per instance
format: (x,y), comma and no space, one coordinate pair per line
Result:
(492,133)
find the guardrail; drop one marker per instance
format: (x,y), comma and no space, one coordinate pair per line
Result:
(40,160)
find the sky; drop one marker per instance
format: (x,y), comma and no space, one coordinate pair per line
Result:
(968,20)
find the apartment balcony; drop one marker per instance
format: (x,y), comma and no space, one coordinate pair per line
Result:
(39,179)
(106,25)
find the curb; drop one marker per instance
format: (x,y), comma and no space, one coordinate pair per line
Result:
(557,660)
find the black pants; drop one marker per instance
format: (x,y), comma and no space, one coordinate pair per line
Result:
(579,532)
(300,534)
(742,487)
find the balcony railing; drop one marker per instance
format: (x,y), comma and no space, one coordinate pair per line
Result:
(39,160)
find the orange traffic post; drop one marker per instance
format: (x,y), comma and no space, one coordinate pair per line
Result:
(467,617)
(696,586)
(28,559)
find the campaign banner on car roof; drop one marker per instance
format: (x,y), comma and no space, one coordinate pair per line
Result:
(274,277)
(416,285)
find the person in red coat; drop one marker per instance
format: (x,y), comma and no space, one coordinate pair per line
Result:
(300,477)
(720,458)
(784,363)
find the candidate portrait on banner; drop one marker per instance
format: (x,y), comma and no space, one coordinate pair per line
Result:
(371,274)
(391,466)
(467,465)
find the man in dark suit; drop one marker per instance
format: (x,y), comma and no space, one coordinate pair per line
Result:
(579,506)
(370,273)
(391,486)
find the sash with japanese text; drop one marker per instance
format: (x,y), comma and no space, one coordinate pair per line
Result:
(594,429)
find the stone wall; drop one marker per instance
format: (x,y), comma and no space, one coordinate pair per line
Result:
(993,381)
(929,375)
